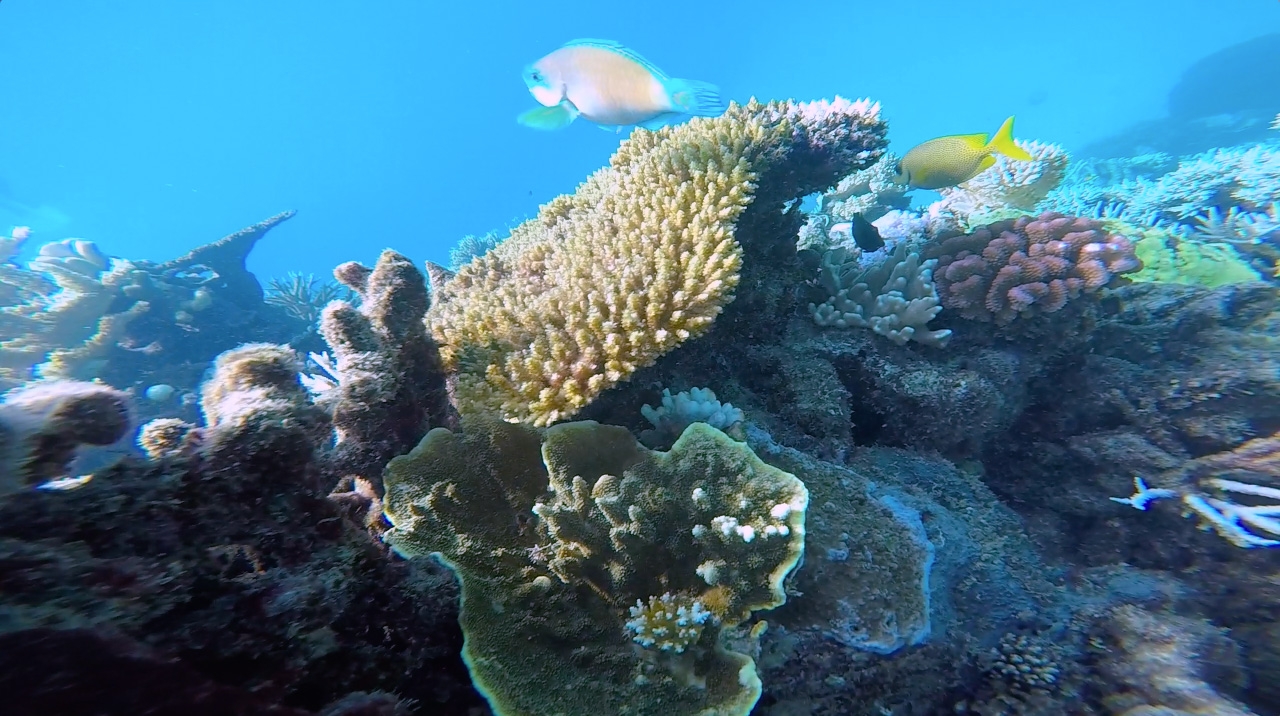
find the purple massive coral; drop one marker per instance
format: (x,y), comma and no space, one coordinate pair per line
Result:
(1028,265)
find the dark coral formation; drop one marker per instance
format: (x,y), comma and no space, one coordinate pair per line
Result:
(1028,265)
(389,387)
(225,569)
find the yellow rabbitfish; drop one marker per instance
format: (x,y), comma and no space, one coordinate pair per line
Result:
(612,86)
(948,161)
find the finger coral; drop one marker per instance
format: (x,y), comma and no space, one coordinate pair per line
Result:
(389,390)
(643,257)
(597,576)
(1029,265)
(895,299)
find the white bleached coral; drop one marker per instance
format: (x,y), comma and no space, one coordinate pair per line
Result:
(896,299)
(1008,185)
(677,412)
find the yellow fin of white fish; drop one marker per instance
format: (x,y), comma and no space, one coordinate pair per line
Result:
(1004,144)
(549,118)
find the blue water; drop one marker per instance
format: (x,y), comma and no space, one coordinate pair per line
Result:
(153,126)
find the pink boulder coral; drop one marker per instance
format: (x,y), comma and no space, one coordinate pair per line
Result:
(1028,265)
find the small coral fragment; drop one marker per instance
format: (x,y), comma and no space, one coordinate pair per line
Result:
(42,425)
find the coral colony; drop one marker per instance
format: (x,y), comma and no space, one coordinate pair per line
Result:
(520,482)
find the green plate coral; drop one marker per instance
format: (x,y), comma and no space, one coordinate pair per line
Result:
(597,575)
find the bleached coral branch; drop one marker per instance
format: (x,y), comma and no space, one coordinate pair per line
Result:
(895,299)
(1208,489)
(1008,185)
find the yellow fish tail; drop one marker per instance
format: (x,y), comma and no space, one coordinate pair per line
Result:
(1003,143)
(701,99)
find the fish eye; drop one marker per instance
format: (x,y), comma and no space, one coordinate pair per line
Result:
(536,76)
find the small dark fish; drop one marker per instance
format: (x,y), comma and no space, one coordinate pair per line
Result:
(865,234)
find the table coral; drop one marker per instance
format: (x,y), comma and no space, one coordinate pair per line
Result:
(644,256)
(597,576)
(1028,265)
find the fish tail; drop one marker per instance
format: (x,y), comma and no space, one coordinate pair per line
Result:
(701,99)
(1004,143)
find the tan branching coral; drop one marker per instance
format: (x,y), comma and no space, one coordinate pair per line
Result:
(640,259)
(1008,186)
(1028,265)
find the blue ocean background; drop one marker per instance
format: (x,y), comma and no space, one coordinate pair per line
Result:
(154,126)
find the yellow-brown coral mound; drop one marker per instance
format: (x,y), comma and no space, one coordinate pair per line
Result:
(603,282)
(641,258)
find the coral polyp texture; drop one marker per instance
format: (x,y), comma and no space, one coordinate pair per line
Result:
(1028,266)
(42,425)
(642,258)
(597,575)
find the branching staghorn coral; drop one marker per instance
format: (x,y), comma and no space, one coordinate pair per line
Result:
(895,299)
(597,576)
(1236,226)
(1008,186)
(1027,266)
(1243,177)
(1234,493)
(643,257)
(303,296)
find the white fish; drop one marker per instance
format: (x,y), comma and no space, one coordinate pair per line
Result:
(612,86)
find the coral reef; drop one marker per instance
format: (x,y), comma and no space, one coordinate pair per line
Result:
(677,412)
(895,299)
(569,529)
(1028,266)
(220,571)
(640,259)
(925,531)
(74,314)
